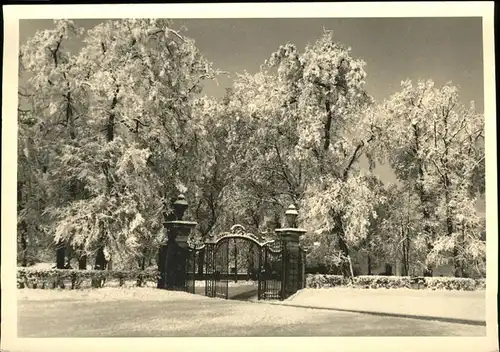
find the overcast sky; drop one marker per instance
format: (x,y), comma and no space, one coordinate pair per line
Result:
(443,49)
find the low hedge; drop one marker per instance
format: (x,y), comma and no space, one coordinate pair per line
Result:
(450,283)
(325,281)
(374,281)
(74,279)
(364,281)
(480,284)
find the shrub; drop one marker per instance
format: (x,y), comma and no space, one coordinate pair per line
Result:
(325,281)
(373,281)
(366,281)
(450,283)
(74,279)
(480,284)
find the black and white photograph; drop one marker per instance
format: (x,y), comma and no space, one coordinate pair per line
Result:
(312,171)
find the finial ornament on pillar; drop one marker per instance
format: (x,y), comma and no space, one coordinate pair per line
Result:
(291,215)
(180,206)
(178,230)
(291,233)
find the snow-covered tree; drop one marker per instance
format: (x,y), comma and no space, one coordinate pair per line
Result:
(52,100)
(132,86)
(302,123)
(436,145)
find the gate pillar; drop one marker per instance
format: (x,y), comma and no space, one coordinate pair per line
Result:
(292,263)
(174,251)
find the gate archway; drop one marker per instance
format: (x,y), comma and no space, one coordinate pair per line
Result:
(239,255)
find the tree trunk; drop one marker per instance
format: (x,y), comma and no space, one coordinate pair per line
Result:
(423,200)
(449,232)
(82,262)
(428,271)
(369,264)
(464,267)
(344,264)
(141,262)
(406,256)
(24,245)
(82,258)
(60,255)
(100,264)
(456,263)
(460,270)
(162,260)
(69,256)
(388,269)
(100,259)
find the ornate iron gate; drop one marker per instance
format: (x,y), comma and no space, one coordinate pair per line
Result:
(217,269)
(271,278)
(221,267)
(209,268)
(192,263)
(224,264)
(276,266)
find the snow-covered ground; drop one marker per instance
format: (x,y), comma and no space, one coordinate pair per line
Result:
(470,305)
(106,294)
(445,304)
(145,312)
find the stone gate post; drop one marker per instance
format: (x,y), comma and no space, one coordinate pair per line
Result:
(292,264)
(174,249)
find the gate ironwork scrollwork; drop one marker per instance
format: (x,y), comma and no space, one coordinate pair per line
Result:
(240,255)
